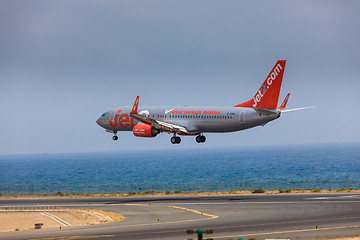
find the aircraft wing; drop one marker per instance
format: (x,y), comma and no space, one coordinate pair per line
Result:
(164,126)
(172,126)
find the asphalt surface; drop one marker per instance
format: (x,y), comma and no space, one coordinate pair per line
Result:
(290,216)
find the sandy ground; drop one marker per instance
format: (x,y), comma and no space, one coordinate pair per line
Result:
(25,220)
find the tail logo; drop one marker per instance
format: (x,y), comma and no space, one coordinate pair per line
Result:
(267,84)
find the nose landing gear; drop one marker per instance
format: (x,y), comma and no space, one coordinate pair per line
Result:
(115,137)
(200,138)
(175,139)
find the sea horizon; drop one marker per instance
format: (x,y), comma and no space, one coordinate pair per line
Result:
(297,166)
(186,148)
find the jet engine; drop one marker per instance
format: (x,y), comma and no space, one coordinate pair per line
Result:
(145,130)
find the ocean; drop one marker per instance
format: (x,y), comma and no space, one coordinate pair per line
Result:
(294,166)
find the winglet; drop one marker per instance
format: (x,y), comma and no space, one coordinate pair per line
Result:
(135,107)
(283,105)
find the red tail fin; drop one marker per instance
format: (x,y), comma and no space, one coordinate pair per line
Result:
(268,95)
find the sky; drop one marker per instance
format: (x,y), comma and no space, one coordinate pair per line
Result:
(64,63)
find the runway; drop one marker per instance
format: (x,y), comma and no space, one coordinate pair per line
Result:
(289,216)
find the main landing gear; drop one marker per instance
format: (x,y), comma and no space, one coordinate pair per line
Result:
(175,139)
(115,137)
(200,138)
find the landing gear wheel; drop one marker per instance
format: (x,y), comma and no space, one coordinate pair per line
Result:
(115,138)
(200,139)
(175,140)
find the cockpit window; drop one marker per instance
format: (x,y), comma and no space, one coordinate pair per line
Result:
(103,115)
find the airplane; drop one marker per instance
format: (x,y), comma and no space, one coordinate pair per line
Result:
(195,121)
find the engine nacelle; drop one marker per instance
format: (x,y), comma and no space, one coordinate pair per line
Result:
(145,130)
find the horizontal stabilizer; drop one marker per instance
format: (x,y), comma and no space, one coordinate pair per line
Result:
(297,109)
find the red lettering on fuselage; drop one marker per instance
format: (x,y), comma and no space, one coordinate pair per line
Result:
(114,123)
(122,120)
(192,112)
(211,112)
(125,121)
(176,112)
(132,122)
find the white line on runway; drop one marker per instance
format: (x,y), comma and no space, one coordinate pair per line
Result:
(59,220)
(337,197)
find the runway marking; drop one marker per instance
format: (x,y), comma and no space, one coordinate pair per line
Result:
(335,197)
(194,211)
(56,218)
(134,204)
(65,230)
(290,231)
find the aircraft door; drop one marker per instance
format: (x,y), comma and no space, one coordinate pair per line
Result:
(112,115)
(242,117)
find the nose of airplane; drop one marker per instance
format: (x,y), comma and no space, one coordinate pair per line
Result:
(103,120)
(100,122)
